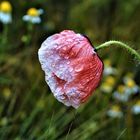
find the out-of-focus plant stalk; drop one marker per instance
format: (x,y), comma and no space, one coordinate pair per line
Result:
(119,44)
(27,37)
(5,34)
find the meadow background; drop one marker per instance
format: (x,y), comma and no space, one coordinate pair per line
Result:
(28,110)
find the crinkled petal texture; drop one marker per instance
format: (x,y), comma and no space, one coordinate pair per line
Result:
(72,67)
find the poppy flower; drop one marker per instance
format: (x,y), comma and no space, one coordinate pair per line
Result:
(72,67)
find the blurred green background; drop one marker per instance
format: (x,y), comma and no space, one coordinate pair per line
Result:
(28,110)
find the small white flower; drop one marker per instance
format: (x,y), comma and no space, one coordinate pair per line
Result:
(108,84)
(33,16)
(121,97)
(121,94)
(128,76)
(136,108)
(132,90)
(108,69)
(32,19)
(131,86)
(5,18)
(5,12)
(41,11)
(105,87)
(115,112)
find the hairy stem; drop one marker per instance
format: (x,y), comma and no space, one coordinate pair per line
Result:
(119,44)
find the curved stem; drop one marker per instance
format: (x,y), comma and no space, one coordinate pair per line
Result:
(120,44)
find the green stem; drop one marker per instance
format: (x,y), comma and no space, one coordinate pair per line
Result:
(5,33)
(120,44)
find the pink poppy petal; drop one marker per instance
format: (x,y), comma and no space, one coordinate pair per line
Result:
(73,69)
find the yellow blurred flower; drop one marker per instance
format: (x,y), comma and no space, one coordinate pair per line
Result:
(5,12)
(121,89)
(6,93)
(115,112)
(3,121)
(108,84)
(6,7)
(121,94)
(108,69)
(116,108)
(129,75)
(106,88)
(33,12)
(138,102)
(33,15)
(110,80)
(107,62)
(130,83)
(136,107)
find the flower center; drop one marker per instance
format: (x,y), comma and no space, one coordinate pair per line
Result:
(110,80)
(33,12)
(138,103)
(121,89)
(130,83)
(107,62)
(5,7)
(116,108)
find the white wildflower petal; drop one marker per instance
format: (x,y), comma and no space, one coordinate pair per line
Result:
(136,109)
(108,70)
(35,19)
(26,18)
(132,90)
(5,18)
(121,96)
(114,114)
(40,11)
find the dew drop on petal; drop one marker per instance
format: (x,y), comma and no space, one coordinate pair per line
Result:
(79,68)
(66,57)
(64,49)
(70,69)
(68,62)
(90,65)
(53,65)
(97,74)
(59,89)
(61,65)
(62,97)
